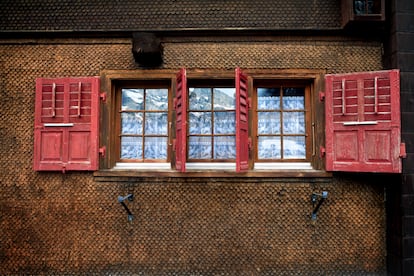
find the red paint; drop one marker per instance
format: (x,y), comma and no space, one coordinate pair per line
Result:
(242,122)
(180,104)
(363,128)
(66,124)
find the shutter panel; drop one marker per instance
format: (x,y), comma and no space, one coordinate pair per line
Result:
(66,124)
(180,144)
(242,122)
(363,122)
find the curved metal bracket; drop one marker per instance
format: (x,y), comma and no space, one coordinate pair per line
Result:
(314,198)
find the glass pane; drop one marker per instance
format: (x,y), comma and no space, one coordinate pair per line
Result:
(132,99)
(156,99)
(131,148)
(293,98)
(155,148)
(224,98)
(269,123)
(367,7)
(294,147)
(269,148)
(294,123)
(156,123)
(224,122)
(199,148)
(268,98)
(199,99)
(200,123)
(131,123)
(225,147)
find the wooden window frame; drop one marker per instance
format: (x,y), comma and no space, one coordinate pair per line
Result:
(112,79)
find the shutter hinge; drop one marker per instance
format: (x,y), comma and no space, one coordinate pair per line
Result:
(322,151)
(102,96)
(321,96)
(249,102)
(250,143)
(102,151)
(403,151)
(174,145)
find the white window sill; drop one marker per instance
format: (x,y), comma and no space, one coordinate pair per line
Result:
(217,166)
(142,166)
(282,166)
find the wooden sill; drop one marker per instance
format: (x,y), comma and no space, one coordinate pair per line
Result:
(130,175)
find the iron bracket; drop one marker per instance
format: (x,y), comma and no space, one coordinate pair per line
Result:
(314,198)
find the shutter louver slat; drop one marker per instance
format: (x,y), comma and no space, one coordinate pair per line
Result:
(181,121)
(242,122)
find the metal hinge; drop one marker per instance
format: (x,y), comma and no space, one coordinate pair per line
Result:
(102,96)
(102,151)
(403,151)
(321,96)
(322,151)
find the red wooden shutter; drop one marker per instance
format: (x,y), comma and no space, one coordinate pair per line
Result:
(66,124)
(363,122)
(180,144)
(242,122)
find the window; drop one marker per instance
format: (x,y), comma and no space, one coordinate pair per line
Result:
(143,123)
(211,122)
(282,122)
(362,11)
(203,120)
(365,7)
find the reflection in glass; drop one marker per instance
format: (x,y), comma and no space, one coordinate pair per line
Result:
(132,99)
(200,123)
(156,99)
(224,122)
(268,98)
(225,147)
(268,123)
(131,123)
(293,98)
(269,147)
(131,147)
(199,147)
(224,98)
(199,99)
(294,147)
(156,123)
(155,148)
(294,123)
